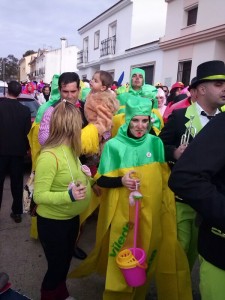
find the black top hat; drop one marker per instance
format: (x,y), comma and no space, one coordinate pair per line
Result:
(210,71)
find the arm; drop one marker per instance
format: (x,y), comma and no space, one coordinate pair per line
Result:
(199,175)
(109,182)
(171,136)
(45,125)
(27,128)
(120,181)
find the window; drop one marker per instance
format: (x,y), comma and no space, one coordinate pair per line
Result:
(85,50)
(192,16)
(85,43)
(96,39)
(112,29)
(108,46)
(184,72)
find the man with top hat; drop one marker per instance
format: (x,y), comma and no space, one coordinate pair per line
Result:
(199,178)
(183,125)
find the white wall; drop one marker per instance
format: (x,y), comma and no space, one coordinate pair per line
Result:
(203,47)
(148,21)
(127,63)
(138,22)
(55,64)
(52,64)
(123,19)
(220,50)
(169,71)
(200,54)
(210,13)
(174,19)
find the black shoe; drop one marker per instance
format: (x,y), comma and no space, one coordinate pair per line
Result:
(16,217)
(79,253)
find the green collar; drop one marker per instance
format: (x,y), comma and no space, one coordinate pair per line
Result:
(192,111)
(124,138)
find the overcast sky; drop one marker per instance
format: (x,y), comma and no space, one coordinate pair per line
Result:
(30,25)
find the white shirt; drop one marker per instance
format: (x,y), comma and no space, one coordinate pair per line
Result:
(203,119)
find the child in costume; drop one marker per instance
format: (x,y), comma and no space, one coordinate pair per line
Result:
(134,150)
(100,106)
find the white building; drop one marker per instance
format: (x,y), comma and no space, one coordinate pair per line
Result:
(123,37)
(24,64)
(50,62)
(195,33)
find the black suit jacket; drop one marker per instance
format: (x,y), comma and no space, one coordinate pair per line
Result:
(15,124)
(199,176)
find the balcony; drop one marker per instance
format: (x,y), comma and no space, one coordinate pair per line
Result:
(82,56)
(108,46)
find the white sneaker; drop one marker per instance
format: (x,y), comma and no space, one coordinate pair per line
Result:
(70,298)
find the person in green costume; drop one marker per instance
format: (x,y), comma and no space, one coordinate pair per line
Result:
(137,80)
(134,150)
(138,87)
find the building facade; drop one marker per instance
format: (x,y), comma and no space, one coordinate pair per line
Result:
(123,37)
(50,62)
(24,66)
(194,33)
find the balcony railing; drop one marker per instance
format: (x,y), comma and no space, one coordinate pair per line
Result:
(82,56)
(108,46)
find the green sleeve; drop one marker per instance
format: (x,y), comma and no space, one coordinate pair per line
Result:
(46,171)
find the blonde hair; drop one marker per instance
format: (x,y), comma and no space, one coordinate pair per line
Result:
(65,124)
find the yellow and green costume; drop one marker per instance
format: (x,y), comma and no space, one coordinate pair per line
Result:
(146,156)
(146,91)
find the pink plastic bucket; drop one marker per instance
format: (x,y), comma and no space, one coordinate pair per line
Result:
(132,264)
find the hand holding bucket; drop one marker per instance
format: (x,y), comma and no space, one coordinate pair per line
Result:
(132,261)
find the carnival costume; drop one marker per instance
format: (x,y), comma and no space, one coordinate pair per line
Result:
(146,91)
(157,231)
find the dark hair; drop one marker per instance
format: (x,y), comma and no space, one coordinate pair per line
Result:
(14,88)
(46,86)
(105,77)
(115,83)
(68,77)
(165,86)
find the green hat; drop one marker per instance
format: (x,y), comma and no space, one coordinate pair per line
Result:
(137,106)
(122,98)
(150,91)
(54,97)
(137,71)
(131,90)
(85,91)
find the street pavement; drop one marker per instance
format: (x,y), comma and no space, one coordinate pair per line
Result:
(23,260)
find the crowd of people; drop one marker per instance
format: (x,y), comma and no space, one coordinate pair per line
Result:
(97,146)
